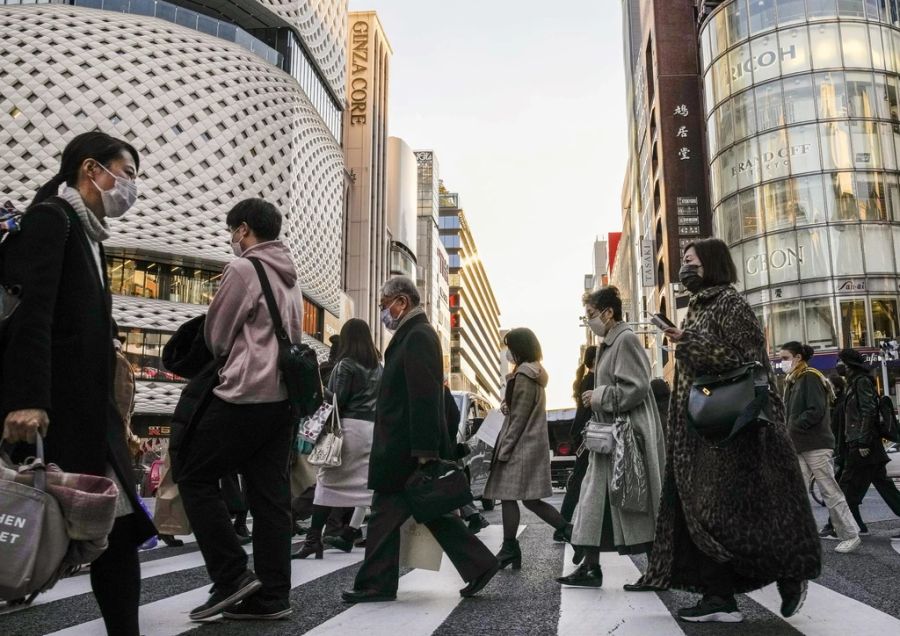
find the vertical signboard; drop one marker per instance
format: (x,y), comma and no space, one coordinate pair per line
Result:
(648,271)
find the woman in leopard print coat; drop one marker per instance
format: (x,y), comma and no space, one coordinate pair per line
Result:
(736,518)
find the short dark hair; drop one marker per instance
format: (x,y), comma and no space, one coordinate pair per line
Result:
(718,266)
(798,349)
(523,345)
(356,343)
(262,217)
(605,298)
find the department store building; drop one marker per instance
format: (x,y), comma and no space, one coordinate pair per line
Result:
(803,126)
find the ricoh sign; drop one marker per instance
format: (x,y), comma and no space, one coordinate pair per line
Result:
(763,60)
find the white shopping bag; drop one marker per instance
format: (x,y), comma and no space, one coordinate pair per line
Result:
(490,427)
(418,547)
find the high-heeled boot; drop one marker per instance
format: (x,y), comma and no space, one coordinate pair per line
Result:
(510,554)
(311,545)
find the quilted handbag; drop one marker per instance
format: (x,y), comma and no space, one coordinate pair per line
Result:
(327,452)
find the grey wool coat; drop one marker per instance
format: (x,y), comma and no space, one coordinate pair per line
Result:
(521,466)
(622,380)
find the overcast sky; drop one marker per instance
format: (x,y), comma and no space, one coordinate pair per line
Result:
(523,103)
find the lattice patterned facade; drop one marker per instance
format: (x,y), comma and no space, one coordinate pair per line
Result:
(213,123)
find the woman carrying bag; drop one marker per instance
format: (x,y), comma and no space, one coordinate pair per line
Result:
(605,522)
(353,386)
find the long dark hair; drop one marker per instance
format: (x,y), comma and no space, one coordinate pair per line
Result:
(90,145)
(587,362)
(357,344)
(718,266)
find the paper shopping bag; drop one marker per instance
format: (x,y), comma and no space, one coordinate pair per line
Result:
(418,547)
(170,517)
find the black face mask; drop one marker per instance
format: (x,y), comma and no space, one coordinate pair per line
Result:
(841,369)
(690,278)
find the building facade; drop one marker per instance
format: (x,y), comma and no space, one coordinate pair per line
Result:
(474,313)
(433,271)
(401,206)
(367,249)
(220,106)
(803,126)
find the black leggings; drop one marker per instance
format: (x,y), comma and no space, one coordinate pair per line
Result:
(116,579)
(542,509)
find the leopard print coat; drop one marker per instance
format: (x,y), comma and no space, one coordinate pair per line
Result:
(745,504)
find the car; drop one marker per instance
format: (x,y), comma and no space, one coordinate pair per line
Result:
(562,447)
(473,409)
(893,467)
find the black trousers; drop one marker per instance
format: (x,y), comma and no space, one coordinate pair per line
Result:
(855,482)
(573,486)
(254,440)
(116,579)
(380,570)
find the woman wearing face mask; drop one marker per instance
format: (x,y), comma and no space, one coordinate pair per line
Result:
(57,375)
(807,396)
(621,388)
(521,466)
(735,517)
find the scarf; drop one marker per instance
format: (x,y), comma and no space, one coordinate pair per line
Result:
(96,229)
(803,368)
(418,311)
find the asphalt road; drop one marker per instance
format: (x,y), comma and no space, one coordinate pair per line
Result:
(856,593)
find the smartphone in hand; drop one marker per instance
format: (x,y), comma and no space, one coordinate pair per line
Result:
(662,322)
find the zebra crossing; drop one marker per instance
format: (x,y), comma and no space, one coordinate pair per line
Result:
(525,602)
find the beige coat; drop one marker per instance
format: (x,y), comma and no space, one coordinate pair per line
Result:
(521,466)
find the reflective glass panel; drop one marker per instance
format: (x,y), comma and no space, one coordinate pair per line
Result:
(719,33)
(790,11)
(836,149)
(896,232)
(709,92)
(841,198)
(737,257)
(752,213)
(730,221)
(744,112)
(877,50)
(846,251)
(808,197)
(741,67)
(755,264)
(861,94)
(866,146)
(804,149)
(762,15)
(794,50)
(854,332)
(712,136)
(886,89)
(769,105)
(820,332)
(855,44)
(851,8)
(831,95)
(872,9)
(729,169)
(799,104)
(879,254)
(784,319)
(893,197)
(813,253)
(783,258)
(721,78)
(765,53)
(736,19)
(705,51)
(747,163)
(777,204)
(826,46)
(821,8)
(871,196)
(884,319)
(725,124)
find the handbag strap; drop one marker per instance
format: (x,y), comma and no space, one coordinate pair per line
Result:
(40,470)
(280,331)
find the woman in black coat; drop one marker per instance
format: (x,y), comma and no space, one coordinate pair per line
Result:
(58,357)
(584,381)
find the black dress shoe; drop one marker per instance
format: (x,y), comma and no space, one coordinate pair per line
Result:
(477,584)
(642,587)
(585,576)
(367,596)
(793,593)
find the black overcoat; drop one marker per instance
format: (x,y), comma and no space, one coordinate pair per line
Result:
(409,419)
(57,348)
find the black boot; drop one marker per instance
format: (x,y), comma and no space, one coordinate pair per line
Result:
(510,554)
(584,576)
(344,539)
(312,545)
(171,541)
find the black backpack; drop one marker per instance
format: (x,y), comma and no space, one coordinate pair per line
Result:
(888,424)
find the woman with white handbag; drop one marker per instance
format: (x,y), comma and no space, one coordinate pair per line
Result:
(342,450)
(619,496)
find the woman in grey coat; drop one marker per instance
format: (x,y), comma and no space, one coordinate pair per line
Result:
(521,466)
(621,386)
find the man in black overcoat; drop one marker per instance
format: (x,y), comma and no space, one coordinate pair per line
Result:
(410,431)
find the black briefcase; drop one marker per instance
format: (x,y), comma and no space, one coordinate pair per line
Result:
(436,489)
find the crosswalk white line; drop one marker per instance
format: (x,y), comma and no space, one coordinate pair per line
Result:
(169,616)
(611,610)
(424,601)
(826,612)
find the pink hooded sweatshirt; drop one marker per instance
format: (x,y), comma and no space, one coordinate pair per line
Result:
(238,325)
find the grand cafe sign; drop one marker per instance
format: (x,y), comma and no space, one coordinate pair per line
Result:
(768,160)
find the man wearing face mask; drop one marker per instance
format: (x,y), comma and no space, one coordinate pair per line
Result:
(410,430)
(247,426)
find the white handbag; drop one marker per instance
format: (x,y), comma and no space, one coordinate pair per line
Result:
(600,437)
(327,452)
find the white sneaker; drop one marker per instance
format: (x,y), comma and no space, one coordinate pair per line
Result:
(845,547)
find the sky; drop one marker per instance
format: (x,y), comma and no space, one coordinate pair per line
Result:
(523,103)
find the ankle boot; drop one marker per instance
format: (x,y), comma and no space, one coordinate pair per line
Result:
(344,539)
(510,554)
(311,545)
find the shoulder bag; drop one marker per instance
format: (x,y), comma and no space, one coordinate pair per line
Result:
(599,437)
(327,451)
(721,406)
(298,362)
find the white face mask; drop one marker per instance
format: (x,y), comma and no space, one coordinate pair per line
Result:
(236,246)
(787,365)
(390,323)
(120,197)
(599,326)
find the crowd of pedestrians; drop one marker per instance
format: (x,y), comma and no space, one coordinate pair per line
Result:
(718,503)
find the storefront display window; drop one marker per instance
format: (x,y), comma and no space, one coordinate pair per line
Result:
(820,332)
(879,254)
(831,94)
(799,105)
(751,213)
(870,196)
(836,150)
(161,281)
(853,324)
(846,250)
(813,255)
(855,44)
(143,348)
(784,319)
(884,319)
(841,200)
(827,50)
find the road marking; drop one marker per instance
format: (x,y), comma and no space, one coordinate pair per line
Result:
(424,601)
(826,612)
(169,616)
(610,609)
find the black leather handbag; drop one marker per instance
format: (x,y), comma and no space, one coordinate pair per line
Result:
(436,489)
(721,406)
